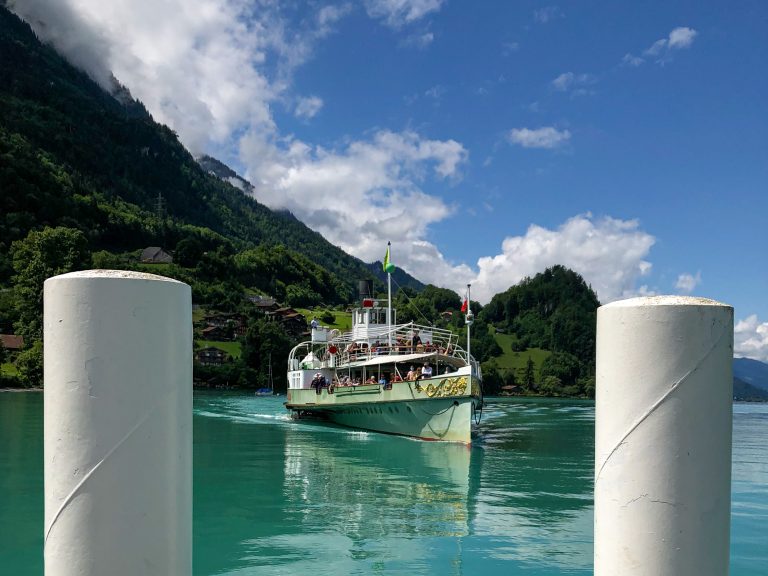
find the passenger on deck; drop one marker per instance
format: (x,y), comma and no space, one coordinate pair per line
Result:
(411,374)
(397,378)
(314,324)
(317,381)
(383,380)
(426,371)
(416,340)
(371,380)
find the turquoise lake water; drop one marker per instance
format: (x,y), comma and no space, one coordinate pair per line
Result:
(273,496)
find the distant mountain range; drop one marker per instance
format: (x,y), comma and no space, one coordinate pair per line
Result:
(750,379)
(752,372)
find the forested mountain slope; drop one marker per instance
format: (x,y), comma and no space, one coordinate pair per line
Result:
(73,155)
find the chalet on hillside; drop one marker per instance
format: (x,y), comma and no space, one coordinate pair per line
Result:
(211,356)
(11,342)
(155,255)
(263,304)
(226,322)
(293,322)
(215,333)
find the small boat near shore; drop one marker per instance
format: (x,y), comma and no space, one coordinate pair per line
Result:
(405,379)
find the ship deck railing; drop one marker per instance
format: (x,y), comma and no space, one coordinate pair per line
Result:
(349,351)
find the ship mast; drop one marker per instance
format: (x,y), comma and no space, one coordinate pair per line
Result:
(469,319)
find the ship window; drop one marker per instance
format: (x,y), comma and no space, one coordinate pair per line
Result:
(378,316)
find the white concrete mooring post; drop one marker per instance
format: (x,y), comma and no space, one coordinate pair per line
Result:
(663,437)
(118,425)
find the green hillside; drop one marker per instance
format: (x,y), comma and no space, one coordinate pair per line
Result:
(234,349)
(553,311)
(516,362)
(342,320)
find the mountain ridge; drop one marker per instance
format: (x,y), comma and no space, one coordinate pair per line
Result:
(753,372)
(216,167)
(82,158)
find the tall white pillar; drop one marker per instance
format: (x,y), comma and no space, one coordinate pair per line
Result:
(118,425)
(663,437)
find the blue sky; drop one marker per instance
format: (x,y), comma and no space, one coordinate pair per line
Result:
(486,140)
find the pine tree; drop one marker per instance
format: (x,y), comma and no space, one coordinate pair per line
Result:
(529,380)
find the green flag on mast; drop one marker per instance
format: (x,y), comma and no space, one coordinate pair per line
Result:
(388,266)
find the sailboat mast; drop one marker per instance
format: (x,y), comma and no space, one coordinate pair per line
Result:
(271,383)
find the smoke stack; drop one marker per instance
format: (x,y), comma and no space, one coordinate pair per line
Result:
(365,289)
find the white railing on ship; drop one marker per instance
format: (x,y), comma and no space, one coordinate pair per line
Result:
(350,349)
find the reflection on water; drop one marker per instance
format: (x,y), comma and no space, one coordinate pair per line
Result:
(339,485)
(335,501)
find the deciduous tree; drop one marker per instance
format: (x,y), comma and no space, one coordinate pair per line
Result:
(42,254)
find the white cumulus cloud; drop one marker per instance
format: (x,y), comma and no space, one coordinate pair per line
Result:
(576,84)
(357,196)
(208,68)
(71,33)
(631,60)
(686,283)
(308,107)
(681,37)
(609,253)
(545,137)
(751,339)
(661,50)
(418,40)
(397,13)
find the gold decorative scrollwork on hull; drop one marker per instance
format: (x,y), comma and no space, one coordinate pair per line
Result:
(447,387)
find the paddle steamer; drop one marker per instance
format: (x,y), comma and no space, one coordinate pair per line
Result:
(406,379)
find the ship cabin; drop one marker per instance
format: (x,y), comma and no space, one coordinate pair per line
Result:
(373,351)
(369,322)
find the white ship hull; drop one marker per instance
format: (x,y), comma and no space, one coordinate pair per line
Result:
(435,409)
